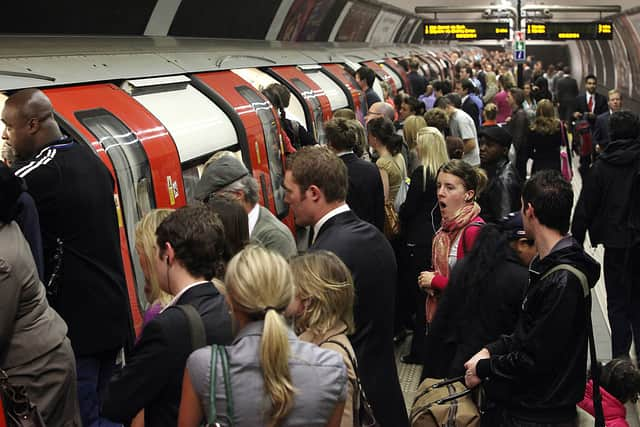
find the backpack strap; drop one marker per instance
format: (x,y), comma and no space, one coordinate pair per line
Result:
(196,326)
(595,366)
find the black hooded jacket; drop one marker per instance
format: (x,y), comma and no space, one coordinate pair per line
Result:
(609,200)
(502,194)
(538,373)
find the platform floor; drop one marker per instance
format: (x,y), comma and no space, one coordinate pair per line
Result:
(410,374)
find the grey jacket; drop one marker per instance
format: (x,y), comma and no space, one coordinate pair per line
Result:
(271,233)
(34,350)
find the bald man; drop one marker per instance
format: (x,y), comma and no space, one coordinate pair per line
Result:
(84,277)
(380,109)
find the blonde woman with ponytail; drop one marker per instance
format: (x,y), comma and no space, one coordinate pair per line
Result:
(276,379)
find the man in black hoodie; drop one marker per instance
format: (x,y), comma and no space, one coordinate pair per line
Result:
(608,208)
(537,374)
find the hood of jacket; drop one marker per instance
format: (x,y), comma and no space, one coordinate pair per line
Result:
(621,152)
(568,251)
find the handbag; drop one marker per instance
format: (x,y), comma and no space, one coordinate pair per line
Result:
(583,132)
(363,416)
(391,221)
(19,411)
(221,352)
(444,403)
(565,165)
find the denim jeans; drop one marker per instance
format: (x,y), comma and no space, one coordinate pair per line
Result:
(94,373)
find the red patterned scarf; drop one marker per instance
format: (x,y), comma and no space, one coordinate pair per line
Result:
(448,234)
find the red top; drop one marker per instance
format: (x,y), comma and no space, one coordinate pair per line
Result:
(615,413)
(469,236)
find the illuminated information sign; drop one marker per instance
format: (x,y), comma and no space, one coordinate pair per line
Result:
(569,30)
(466,31)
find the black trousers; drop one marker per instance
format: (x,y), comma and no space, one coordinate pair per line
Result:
(622,281)
(509,420)
(415,259)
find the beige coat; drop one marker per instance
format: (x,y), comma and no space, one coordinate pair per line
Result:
(34,349)
(338,334)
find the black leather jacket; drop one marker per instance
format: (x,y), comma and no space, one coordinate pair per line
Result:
(502,194)
(538,373)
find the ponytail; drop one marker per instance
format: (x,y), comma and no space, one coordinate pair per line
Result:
(394,144)
(274,360)
(259,283)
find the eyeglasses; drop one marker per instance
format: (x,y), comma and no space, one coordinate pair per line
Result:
(373,113)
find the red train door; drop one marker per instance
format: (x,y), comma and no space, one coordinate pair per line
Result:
(357,94)
(393,64)
(318,104)
(263,132)
(140,154)
(382,74)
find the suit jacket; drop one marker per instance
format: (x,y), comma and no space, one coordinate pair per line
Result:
(271,233)
(600,107)
(601,130)
(369,257)
(365,195)
(471,109)
(566,93)
(152,377)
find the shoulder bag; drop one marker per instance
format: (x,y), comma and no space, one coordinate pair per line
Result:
(565,164)
(219,351)
(444,403)
(362,414)
(19,411)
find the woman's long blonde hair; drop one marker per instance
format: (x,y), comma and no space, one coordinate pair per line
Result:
(432,152)
(260,284)
(147,247)
(410,128)
(324,281)
(545,121)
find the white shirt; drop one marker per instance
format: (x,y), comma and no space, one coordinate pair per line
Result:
(318,225)
(179,294)
(254,214)
(344,153)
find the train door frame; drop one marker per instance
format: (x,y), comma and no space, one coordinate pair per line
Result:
(151,135)
(227,85)
(340,73)
(393,64)
(382,74)
(287,75)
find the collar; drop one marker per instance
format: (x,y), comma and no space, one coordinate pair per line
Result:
(465,98)
(344,153)
(175,299)
(254,214)
(61,143)
(337,211)
(255,329)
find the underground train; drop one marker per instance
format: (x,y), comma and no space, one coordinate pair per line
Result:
(155,109)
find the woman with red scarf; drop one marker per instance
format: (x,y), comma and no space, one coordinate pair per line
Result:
(458,186)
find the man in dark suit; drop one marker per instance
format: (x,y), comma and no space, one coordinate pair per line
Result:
(601,127)
(365,195)
(316,189)
(567,92)
(417,81)
(190,242)
(589,104)
(470,105)
(365,78)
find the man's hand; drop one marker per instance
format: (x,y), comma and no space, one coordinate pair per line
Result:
(471,378)
(577,115)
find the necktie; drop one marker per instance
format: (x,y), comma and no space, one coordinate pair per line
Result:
(590,103)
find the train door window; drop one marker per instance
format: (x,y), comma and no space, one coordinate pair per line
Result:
(316,109)
(133,174)
(377,88)
(352,81)
(260,80)
(273,143)
(337,98)
(394,76)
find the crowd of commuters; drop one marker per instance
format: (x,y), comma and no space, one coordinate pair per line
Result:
(442,214)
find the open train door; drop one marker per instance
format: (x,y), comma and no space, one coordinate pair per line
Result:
(382,74)
(140,154)
(317,102)
(266,153)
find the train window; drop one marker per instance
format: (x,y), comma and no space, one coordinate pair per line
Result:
(316,109)
(197,125)
(354,84)
(132,171)
(260,80)
(337,98)
(273,143)
(394,76)
(377,88)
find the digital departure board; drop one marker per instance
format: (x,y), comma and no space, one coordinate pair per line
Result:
(466,31)
(569,30)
